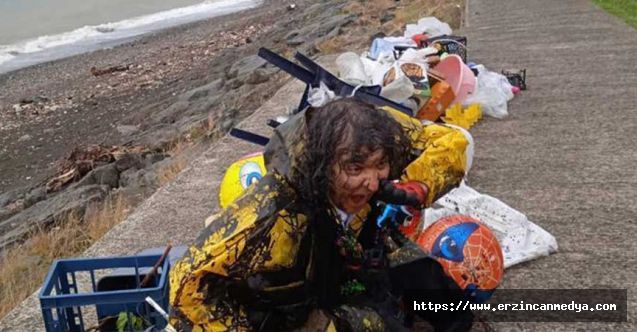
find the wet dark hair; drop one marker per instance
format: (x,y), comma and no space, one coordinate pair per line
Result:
(368,130)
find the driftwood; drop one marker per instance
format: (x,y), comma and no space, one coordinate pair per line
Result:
(99,72)
(84,159)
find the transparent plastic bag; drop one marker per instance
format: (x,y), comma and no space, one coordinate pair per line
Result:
(376,69)
(320,96)
(431,26)
(400,89)
(351,69)
(493,91)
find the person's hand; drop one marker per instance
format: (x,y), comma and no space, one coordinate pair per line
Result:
(406,193)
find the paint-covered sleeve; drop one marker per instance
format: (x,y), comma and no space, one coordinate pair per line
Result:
(440,158)
(442,164)
(250,237)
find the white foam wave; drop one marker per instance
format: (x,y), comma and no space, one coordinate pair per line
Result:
(126,28)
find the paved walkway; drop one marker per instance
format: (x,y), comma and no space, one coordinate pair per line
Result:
(567,155)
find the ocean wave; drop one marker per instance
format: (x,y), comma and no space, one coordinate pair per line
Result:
(96,34)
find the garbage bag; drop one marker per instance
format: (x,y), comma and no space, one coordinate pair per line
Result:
(351,69)
(492,92)
(320,96)
(430,26)
(400,89)
(376,70)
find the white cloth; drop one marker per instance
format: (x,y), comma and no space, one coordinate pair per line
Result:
(343,217)
(521,240)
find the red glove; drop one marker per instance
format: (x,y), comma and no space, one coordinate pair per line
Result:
(405,201)
(406,193)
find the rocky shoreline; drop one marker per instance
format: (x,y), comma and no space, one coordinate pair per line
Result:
(135,105)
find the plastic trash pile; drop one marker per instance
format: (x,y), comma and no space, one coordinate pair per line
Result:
(427,70)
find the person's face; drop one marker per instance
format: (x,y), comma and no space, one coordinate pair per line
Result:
(353,182)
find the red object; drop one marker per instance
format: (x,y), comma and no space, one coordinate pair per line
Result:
(467,250)
(420,39)
(410,227)
(414,188)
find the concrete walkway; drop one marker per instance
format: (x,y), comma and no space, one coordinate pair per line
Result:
(566,155)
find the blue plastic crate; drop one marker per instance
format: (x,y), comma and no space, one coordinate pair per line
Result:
(64,304)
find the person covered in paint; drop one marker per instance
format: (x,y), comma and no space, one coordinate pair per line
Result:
(304,242)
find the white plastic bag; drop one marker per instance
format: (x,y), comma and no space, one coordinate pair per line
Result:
(320,96)
(492,92)
(521,240)
(431,26)
(351,69)
(376,69)
(400,89)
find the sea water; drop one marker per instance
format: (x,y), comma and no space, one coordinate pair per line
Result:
(34,31)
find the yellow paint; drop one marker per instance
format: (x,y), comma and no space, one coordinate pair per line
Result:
(466,118)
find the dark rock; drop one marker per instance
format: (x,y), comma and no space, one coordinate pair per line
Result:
(103,175)
(106,175)
(235,84)
(34,196)
(335,32)
(154,158)
(127,161)
(130,177)
(296,41)
(292,34)
(258,76)
(171,113)
(45,212)
(198,94)
(245,66)
(210,89)
(5,213)
(338,21)
(12,195)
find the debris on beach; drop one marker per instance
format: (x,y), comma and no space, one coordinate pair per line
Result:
(99,72)
(86,158)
